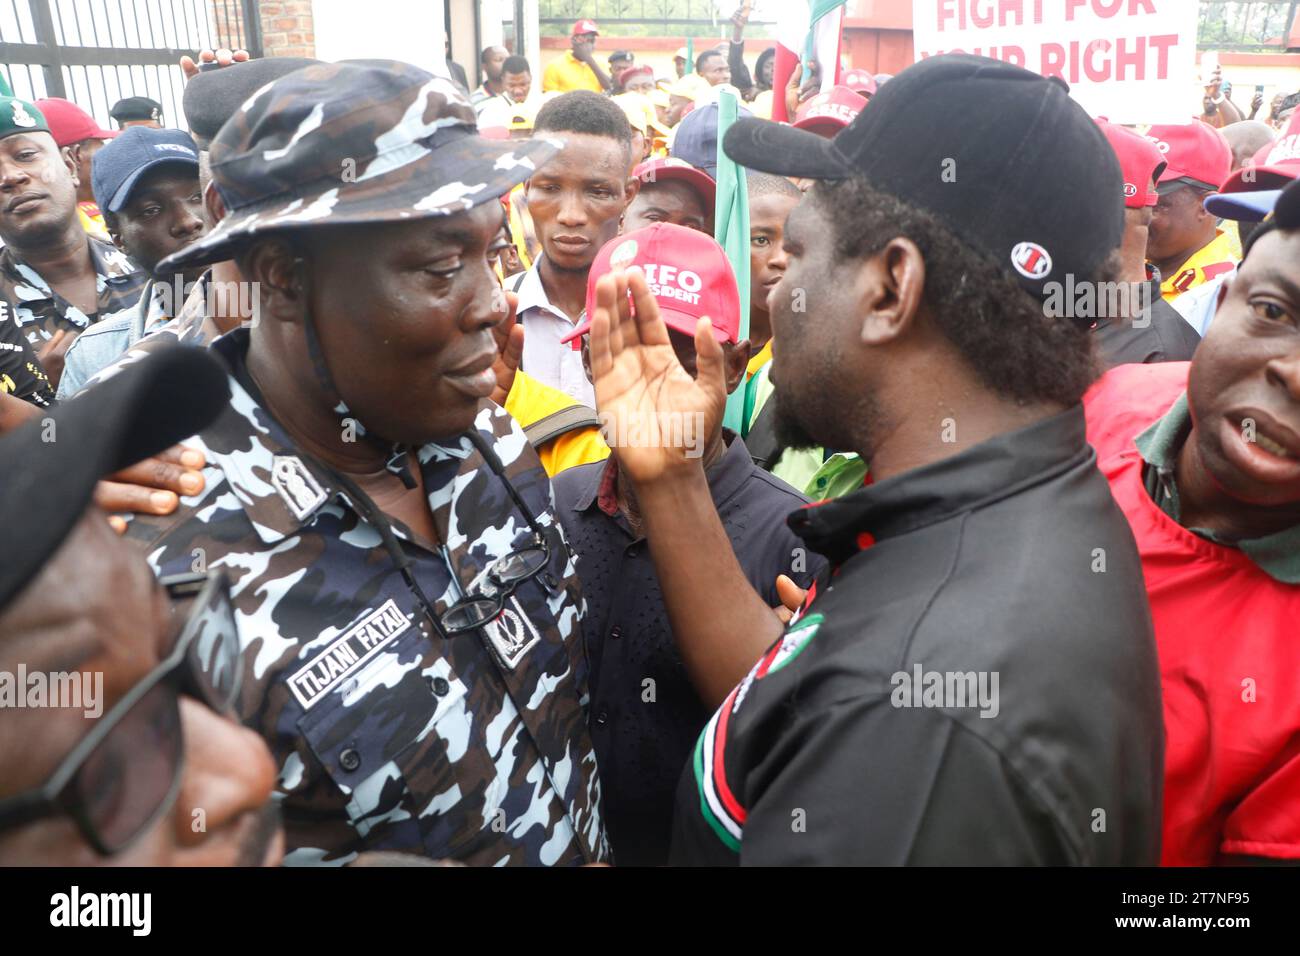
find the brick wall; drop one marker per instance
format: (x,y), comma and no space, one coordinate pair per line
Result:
(287,28)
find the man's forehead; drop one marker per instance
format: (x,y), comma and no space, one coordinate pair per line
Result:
(16,141)
(585,154)
(1275,255)
(668,190)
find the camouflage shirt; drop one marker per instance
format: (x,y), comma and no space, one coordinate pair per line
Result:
(388,736)
(31,312)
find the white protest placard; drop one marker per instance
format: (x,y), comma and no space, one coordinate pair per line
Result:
(1133,61)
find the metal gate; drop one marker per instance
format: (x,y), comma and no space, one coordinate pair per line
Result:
(94,52)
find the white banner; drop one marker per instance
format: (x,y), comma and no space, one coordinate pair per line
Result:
(1133,61)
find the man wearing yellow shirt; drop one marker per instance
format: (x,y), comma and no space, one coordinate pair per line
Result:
(578,69)
(1184,242)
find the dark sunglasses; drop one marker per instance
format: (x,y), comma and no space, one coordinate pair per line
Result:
(125,774)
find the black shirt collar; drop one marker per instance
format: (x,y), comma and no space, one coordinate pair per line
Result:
(998,468)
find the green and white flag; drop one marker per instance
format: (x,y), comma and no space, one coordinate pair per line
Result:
(731,229)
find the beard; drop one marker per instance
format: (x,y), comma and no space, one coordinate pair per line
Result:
(823,419)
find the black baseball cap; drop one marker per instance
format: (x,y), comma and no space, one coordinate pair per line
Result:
(51,464)
(1001,156)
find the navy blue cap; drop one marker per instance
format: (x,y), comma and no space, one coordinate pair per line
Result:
(1243,207)
(119,165)
(696,141)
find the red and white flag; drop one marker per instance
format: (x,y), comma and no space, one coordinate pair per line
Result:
(806,29)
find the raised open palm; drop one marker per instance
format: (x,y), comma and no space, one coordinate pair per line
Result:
(653,412)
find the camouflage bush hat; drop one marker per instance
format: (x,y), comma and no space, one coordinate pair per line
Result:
(343,144)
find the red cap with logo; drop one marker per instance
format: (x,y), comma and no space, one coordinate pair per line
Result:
(1273,167)
(584,26)
(1195,151)
(860,82)
(1140,161)
(687,272)
(69,123)
(828,113)
(670,167)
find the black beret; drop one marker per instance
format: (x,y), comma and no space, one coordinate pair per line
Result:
(136,108)
(212,97)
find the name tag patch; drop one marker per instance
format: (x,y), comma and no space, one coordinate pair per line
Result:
(347,654)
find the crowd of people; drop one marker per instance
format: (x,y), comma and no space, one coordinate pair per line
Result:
(364,468)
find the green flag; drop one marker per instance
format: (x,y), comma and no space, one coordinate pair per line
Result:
(731,229)
(4,87)
(690,55)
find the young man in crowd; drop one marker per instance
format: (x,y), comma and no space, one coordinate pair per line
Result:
(150,747)
(55,279)
(1204,459)
(1185,243)
(771,200)
(645,712)
(147,183)
(871,730)
(1145,327)
(672,191)
(712,67)
(577,201)
(81,137)
(578,69)
(388,533)
(491,62)
(516,87)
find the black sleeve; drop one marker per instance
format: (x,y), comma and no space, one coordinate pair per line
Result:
(866,783)
(740,77)
(21,375)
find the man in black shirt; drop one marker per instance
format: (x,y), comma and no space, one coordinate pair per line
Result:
(645,714)
(975,681)
(1145,328)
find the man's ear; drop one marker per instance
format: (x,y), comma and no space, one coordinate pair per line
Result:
(213,205)
(70,161)
(735,360)
(631,189)
(280,274)
(890,286)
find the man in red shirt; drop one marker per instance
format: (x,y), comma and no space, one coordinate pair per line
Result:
(1204,459)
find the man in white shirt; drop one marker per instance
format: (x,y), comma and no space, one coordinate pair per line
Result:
(577,202)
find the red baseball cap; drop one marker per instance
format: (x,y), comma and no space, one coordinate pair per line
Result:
(584,26)
(1273,167)
(828,113)
(69,123)
(1140,160)
(1195,151)
(860,82)
(657,170)
(688,274)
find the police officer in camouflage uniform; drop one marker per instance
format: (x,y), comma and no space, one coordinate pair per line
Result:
(408,608)
(55,280)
